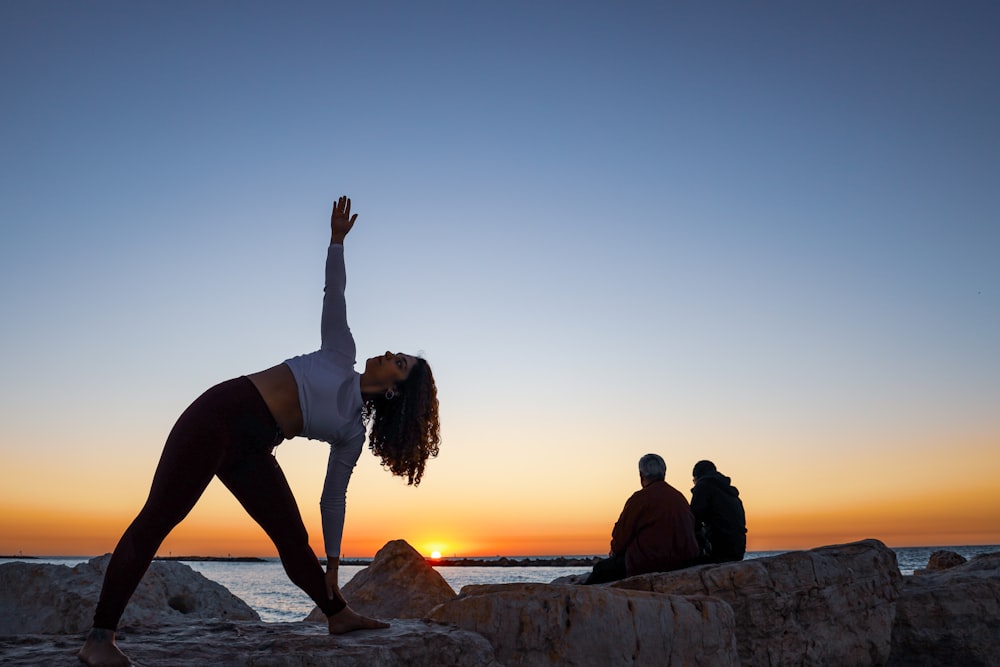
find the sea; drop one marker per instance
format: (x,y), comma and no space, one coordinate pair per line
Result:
(264,586)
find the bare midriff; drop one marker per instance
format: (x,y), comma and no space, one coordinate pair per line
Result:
(281,394)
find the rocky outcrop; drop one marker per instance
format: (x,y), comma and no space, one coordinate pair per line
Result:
(829,606)
(838,605)
(950,616)
(942,559)
(399,583)
(245,643)
(42,598)
(546,624)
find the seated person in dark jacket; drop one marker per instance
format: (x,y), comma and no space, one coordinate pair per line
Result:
(655,532)
(719,516)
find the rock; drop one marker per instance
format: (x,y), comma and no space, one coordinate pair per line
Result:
(943,560)
(547,624)
(950,616)
(829,606)
(399,583)
(229,643)
(38,598)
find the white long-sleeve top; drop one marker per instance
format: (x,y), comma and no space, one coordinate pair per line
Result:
(330,398)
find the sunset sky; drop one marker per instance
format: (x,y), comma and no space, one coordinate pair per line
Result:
(766,234)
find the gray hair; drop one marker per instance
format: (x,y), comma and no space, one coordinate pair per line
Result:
(652,467)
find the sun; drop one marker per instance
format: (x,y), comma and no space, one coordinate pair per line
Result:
(435,548)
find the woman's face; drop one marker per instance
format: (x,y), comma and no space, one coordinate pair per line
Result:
(390,368)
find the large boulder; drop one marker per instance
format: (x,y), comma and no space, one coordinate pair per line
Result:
(245,643)
(566,625)
(38,598)
(399,583)
(833,605)
(950,616)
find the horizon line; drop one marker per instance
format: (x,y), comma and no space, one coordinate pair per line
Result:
(456,556)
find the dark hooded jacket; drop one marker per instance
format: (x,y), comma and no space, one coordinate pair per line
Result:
(719,518)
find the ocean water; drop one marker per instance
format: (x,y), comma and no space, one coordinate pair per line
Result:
(266,588)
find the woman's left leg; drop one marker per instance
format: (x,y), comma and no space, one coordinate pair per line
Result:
(194,450)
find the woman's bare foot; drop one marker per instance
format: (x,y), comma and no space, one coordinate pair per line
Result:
(348,620)
(100,650)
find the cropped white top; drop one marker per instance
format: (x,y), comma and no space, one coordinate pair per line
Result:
(330,398)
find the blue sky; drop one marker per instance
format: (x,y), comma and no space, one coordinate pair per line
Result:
(764,233)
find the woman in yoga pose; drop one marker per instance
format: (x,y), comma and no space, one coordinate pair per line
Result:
(231,430)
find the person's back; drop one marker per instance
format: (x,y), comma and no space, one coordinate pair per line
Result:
(719,512)
(656,530)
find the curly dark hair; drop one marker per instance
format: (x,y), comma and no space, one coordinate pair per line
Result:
(405,430)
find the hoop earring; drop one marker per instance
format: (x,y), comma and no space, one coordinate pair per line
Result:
(390,394)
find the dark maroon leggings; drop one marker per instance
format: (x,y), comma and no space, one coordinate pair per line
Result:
(229,432)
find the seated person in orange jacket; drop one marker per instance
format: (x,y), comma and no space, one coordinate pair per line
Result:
(655,532)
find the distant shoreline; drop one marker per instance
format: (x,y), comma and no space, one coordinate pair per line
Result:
(210,559)
(513,561)
(503,561)
(499,561)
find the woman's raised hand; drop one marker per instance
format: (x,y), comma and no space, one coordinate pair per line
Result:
(341,220)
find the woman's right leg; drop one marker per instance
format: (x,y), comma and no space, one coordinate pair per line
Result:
(260,486)
(191,456)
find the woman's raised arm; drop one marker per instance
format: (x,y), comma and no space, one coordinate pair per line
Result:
(335,334)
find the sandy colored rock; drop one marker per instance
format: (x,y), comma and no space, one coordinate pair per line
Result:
(829,606)
(950,617)
(566,625)
(43,598)
(399,583)
(245,643)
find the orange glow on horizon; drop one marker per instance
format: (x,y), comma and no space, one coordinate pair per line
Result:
(38,534)
(431,521)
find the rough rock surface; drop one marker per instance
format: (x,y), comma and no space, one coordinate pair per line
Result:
(399,583)
(244,643)
(550,624)
(39,598)
(942,560)
(829,606)
(950,617)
